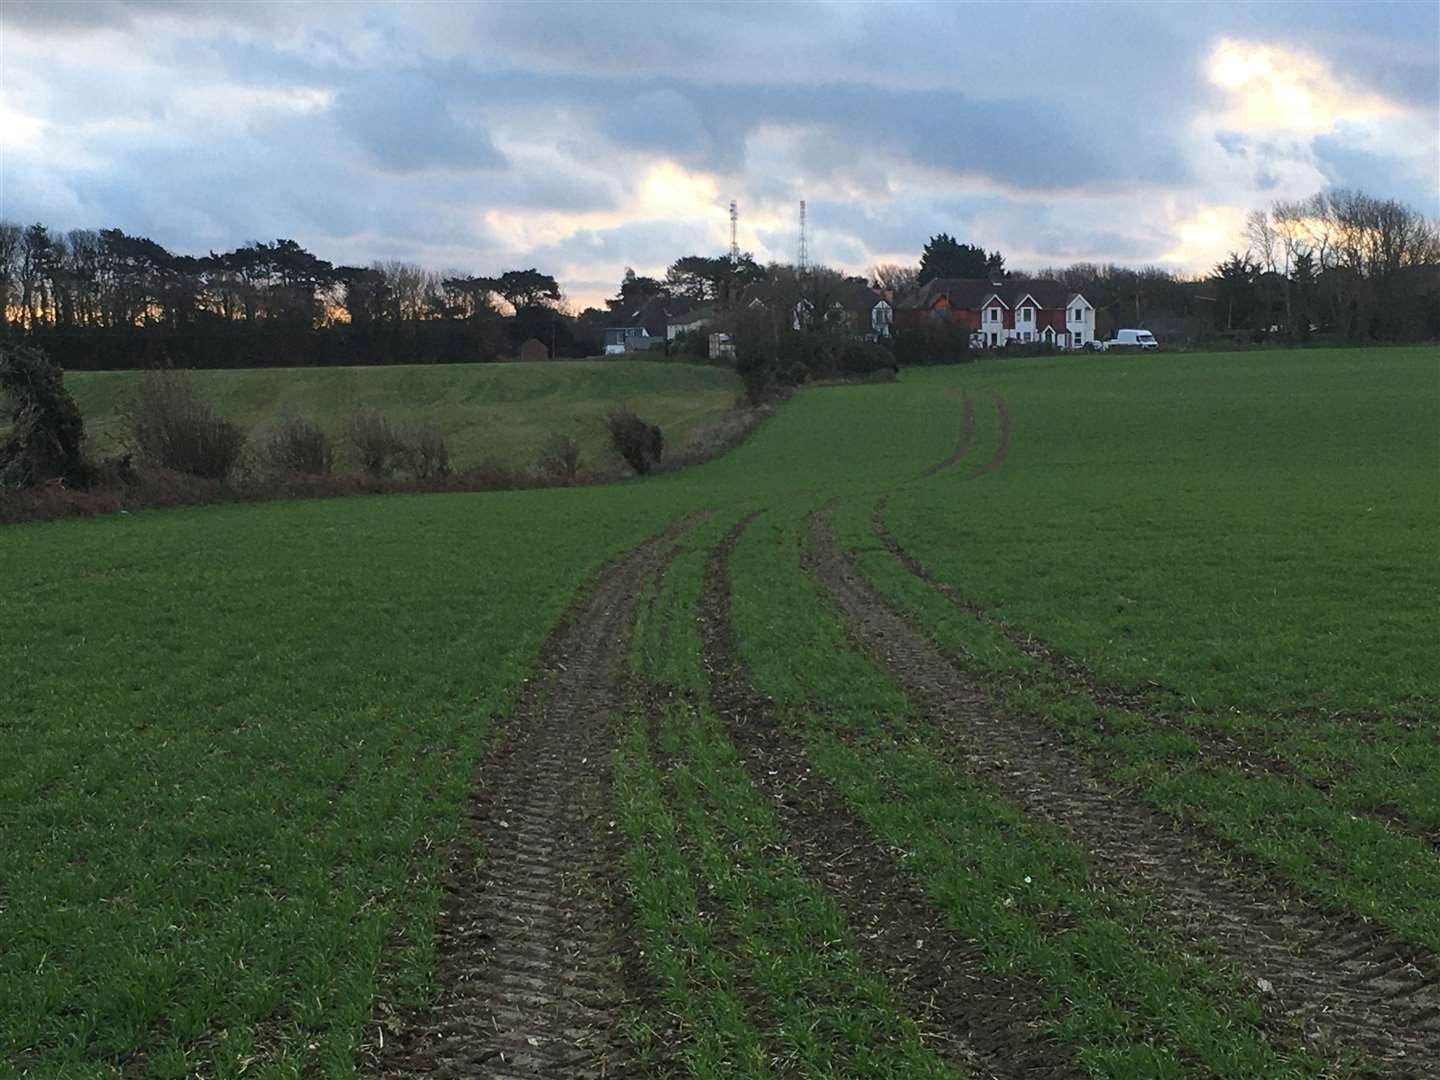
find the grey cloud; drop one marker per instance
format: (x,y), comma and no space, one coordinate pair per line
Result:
(79,16)
(662,119)
(405,123)
(1345,165)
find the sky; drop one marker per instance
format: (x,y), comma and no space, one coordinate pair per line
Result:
(586,138)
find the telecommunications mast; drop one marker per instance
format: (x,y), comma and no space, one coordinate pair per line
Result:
(803,262)
(734,238)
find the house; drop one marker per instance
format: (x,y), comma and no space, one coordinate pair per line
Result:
(533,349)
(646,327)
(998,313)
(863,310)
(624,339)
(847,305)
(687,322)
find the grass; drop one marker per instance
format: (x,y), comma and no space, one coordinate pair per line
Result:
(234,741)
(1137,1002)
(1260,533)
(758,965)
(488,412)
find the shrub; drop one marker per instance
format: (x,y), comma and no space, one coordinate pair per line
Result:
(170,425)
(381,447)
(560,460)
(430,454)
(638,442)
(933,342)
(47,434)
(859,357)
(300,446)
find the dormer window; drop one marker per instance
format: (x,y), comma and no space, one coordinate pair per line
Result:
(1027,314)
(994,314)
(1079,315)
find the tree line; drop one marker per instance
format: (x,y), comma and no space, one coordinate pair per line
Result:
(1341,263)
(106,299)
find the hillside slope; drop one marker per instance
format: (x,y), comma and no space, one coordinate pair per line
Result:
(497,412)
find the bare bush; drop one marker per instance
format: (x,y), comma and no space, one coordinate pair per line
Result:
(560,460)
(300,446)
(430,454)
(381,447)
(171,426)
(640,443)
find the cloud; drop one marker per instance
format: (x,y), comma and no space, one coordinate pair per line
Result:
(404,124)
(583,138)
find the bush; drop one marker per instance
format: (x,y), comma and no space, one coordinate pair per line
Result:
(431,454)
(560,460)
(171,426)
(381,447)
(934,342)
(300,446)
(638,442)
(47,432)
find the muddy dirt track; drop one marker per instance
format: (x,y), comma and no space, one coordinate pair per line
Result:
(973,1018)
(527,945)
(1346,982)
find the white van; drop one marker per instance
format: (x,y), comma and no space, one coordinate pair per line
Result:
(1132,339)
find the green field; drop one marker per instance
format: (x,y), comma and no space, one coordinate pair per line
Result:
(1170,688)
(503,413)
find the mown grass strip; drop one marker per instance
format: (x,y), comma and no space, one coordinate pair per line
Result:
(1138,1001)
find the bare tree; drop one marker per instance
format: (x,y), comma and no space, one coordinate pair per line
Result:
(894,278)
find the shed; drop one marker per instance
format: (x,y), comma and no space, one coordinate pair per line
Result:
(533,349)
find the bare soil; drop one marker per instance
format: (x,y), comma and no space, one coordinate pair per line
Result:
(1347,983)
(987,1025)
(531,947)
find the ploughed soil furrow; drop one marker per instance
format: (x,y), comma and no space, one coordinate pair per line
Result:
(962,444)
(988,1025)
(1346,982)
(529,949)
(1218,748)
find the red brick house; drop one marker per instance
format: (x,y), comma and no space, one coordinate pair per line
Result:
(999,312)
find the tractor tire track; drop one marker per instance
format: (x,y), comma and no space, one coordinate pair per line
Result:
(1346,982)
(982,1022)
(1161,707)
(528,943)
(962,444)
(1002,443)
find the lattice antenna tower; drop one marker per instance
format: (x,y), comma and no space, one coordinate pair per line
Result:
(803,262)
(734,234)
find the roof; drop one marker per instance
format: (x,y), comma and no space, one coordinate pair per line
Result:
(653,313)
(694,315)
(858,297)
(972,293)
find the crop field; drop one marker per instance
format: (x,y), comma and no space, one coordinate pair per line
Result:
(501,413)
(1032,718)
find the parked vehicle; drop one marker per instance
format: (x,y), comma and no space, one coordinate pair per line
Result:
(1130,339)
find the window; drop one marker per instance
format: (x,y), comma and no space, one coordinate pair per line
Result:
(1079,315)
(1026,335)
(1027,314)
